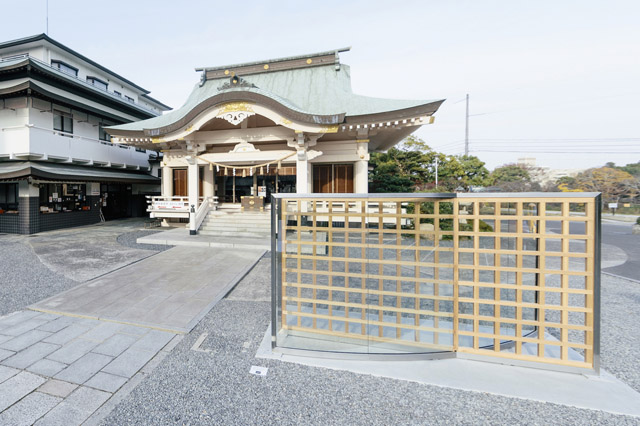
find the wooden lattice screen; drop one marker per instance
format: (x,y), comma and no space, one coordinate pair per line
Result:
(510,277)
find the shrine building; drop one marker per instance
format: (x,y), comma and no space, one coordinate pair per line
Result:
(281,125)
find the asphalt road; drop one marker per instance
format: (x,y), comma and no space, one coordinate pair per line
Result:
(617,234)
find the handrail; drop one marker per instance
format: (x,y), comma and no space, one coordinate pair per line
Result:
(205,207)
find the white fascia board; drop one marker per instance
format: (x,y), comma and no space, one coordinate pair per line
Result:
(86,102)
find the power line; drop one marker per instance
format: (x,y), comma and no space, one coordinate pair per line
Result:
(558,140)
(557,152)
(466,129)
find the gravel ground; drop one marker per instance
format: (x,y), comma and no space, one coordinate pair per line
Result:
(25,280)
(192,387)
(129,239)
(620,332)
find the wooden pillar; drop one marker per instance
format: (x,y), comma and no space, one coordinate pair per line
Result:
(302,166)
(167,181)
(361,167)
(209,182)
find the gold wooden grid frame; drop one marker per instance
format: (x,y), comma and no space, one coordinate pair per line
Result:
(513,276)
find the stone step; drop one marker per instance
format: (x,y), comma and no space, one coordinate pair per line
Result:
(256,235)
(228,225)
(240,218)
(220,228)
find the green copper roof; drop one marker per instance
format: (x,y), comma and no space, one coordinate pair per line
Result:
(315,91)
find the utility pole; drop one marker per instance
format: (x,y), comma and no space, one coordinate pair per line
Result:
(436,172)
(466,130)
(47,30)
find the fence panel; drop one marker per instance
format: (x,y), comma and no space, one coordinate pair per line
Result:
(501,275)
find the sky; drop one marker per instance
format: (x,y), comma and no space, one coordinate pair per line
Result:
(555,80)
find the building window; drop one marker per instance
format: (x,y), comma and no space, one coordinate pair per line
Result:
(102,133)
(62,122)
(63,197)
(65,68)
(9,197)
(100,84)
(129,98)
(141,150)
(115,92)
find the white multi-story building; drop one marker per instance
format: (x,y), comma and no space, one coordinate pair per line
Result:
(58,167)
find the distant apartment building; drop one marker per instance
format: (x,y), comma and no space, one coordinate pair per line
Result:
(545,175)
(58,167)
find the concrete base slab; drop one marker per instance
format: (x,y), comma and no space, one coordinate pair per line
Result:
(170,291)
(181,237)
(604,392)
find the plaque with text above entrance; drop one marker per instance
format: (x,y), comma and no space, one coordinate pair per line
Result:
(252,203)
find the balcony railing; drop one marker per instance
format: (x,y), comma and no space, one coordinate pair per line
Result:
(508,277)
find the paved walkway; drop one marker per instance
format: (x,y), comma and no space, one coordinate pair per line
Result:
(62,370)
(171,291)
(181,237)
(73,357)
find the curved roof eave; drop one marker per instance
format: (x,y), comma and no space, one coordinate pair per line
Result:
(187,113)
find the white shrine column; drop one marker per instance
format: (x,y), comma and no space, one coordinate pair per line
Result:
(192,190)
(302,166)
(209,182)
(361,168)
(167,181)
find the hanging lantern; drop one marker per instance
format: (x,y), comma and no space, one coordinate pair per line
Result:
(279,164)
(210,166)
(234,171)
(244,172)
(267,169)
(251,171)
(225,171)
(218,168)
(261,171)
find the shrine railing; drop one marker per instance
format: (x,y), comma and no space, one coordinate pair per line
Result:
(507,277)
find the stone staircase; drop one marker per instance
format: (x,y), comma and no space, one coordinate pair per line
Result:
(230,223)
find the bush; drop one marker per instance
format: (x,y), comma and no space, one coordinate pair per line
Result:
(638,221)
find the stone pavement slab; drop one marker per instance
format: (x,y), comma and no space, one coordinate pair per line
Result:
(30,355)
(84,368)
(24,340)
(66,334)
(7,372)
(17,387)
(129,362)
(76,408)
(144,293)
(16,318)
(29,409)
(4,354)
(46,367)
(58,388)
(73,351)
(115,345)
(106,382)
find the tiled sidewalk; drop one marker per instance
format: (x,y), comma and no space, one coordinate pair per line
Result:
(60,370)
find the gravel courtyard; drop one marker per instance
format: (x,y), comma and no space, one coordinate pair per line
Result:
(195,387)
(212,385)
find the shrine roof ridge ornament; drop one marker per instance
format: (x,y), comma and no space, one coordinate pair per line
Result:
(330,57)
